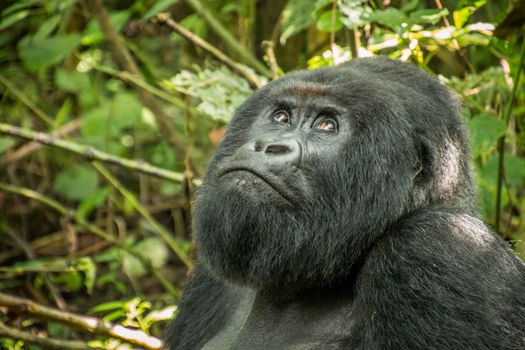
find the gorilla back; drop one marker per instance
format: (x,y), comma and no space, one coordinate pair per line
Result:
(339,213)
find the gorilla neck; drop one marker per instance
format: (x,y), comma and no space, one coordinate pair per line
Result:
(279,251)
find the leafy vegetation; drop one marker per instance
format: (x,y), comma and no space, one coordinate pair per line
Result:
(109,113)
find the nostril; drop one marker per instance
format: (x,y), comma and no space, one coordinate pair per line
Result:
(257,147)
(277,149)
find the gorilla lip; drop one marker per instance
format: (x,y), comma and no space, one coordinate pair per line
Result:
(265,179)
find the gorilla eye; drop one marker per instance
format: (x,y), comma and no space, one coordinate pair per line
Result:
(281,117)
(327,125)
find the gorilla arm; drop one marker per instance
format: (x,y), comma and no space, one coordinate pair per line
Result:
(440,280)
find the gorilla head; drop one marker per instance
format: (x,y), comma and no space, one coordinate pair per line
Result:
(315,167)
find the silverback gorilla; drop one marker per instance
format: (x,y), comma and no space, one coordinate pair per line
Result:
(339,212)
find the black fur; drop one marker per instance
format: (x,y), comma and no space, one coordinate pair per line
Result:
(364,238)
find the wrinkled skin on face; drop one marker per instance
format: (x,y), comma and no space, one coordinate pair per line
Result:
(315,166)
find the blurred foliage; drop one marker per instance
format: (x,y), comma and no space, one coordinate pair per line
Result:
(58,74)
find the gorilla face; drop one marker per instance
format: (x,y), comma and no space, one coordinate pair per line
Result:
(313,169)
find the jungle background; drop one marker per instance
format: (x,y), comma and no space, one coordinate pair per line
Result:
(110,110)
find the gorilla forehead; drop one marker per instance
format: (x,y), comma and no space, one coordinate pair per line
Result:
(341,87)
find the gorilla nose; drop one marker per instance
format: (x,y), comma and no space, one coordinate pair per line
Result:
(278,151)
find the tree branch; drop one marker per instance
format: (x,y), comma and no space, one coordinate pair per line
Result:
(46,343)
(253,80)
(228,38)
(84,323)
(91,153)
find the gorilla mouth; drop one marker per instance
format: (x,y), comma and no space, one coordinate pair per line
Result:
(277,187)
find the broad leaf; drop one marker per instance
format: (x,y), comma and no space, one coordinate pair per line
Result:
(39,54)
(76,183)
(484,133)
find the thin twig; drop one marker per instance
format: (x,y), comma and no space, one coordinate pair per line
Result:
(90,153)
(85,323)
(253,80)
(94,230)
(228,38)
(45,343)
(501,142)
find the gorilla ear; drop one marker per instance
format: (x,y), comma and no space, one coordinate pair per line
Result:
(425,160)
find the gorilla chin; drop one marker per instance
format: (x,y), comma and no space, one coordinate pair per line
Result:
(255,184)
(339,212)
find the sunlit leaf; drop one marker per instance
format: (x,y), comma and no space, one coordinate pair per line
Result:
(355,13)
(219,91)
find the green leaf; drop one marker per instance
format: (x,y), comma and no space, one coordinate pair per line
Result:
(390,17)
(163,156)
(47,27)
(72,81)
(90,203)
(488,179)
(514,170)
(484,133)
(152,248)
(19,5)
(12,19)
(73,280)
(410,6)
(220,91)
(125,110)
(159,6)
(89,268)
(5,143)
(355,14)
(76,183)
(297,16)
(324,23)
(425,16)
(39,54)
(93,35)
(107,306)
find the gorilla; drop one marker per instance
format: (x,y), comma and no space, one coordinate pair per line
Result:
(339,212)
